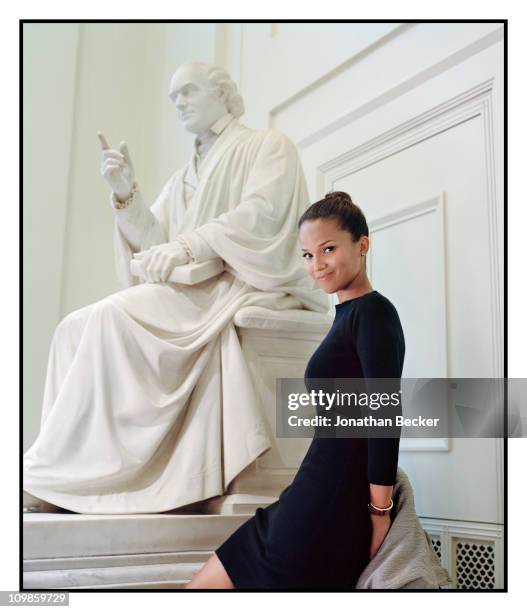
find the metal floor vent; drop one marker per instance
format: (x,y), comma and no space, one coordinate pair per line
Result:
(436,543)
(475,564)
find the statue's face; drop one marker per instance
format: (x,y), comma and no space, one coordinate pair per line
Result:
(197,106)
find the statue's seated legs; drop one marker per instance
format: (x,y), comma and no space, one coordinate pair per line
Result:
(65,341)
(143,388)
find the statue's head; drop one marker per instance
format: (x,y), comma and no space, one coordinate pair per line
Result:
(203,93)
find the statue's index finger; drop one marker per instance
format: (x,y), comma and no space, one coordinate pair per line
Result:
(103,141)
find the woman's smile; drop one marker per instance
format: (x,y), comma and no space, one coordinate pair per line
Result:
(333,258)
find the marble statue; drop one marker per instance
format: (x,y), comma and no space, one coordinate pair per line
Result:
(148,402)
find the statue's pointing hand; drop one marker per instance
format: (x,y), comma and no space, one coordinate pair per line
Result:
(117,168)
(159,261)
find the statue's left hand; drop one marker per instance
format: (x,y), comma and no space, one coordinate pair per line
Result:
(159,261)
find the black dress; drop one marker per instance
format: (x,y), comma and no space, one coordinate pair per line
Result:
(317,535)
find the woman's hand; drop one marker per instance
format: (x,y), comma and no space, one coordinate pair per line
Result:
(380,527)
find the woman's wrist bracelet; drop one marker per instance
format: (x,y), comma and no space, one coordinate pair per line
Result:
(380,511)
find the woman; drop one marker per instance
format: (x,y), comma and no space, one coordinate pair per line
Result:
(331,520)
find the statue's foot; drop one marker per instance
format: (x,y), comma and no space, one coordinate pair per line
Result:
(30,503)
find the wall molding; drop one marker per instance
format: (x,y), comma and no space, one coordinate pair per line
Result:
(432,205)
(356,57)
(451,112)
(469,104)
(398,90)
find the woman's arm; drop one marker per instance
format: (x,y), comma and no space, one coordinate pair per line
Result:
(380,495)
(379,342)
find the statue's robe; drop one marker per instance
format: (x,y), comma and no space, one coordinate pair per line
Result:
(149,404)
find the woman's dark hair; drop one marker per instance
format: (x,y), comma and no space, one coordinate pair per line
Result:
(339,206)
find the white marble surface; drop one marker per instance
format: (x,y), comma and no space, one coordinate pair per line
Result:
(237,503)
(167,575)
(60,563)
(293,320)
(49,536)
(154,551)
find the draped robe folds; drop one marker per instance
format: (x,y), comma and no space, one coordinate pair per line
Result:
(148,402)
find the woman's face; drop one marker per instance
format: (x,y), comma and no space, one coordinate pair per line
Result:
(331,256)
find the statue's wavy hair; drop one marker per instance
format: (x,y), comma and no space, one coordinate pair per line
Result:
(220,81)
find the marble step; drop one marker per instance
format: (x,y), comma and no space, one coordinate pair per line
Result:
(151,551)
(54,535)
(146,571)
(68,550)
(168,584)
(162,575)
(237,503)
(102,561)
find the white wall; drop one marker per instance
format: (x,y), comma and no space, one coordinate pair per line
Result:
(118,92)
(50,60)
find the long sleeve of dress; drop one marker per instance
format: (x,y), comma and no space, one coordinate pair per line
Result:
(379,343)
